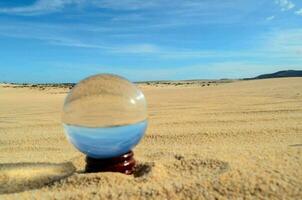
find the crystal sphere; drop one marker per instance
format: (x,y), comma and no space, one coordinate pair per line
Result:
(104,116)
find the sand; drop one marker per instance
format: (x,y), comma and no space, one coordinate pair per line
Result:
(239,140)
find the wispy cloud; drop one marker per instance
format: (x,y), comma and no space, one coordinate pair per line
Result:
(278,45)
(138,49)
(285,4)
(47,6)
(58,35)
(270,18)
(283,44)
(140,15)
(151,8)
(40,7)
(127,4)
(286,42)
(299,12)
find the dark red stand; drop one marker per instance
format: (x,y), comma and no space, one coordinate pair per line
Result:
(123,164)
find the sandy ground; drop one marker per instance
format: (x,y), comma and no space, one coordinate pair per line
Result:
(235,140)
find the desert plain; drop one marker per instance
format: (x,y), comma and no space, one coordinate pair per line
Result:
(237,140)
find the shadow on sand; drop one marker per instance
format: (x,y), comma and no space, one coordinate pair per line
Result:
(18,177)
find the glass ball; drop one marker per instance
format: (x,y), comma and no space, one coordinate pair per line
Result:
(105,116)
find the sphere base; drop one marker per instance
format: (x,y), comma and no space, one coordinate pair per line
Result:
(123,164)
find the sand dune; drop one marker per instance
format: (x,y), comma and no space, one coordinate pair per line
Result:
(233,140)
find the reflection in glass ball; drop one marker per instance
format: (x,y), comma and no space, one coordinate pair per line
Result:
(105,116)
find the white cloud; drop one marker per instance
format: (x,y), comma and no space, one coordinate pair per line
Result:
(138,48)
(287,43)
(126,4)
(49,36)
(277,45)
(179,10)
(299,12)
(40,6)
(140,14)
(285,4)
(270,18)
(47,6)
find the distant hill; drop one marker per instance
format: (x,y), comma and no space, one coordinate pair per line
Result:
(280,74)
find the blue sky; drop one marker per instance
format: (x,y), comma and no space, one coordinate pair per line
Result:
(67,40)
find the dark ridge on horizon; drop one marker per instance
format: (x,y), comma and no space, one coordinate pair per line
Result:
(279,74)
